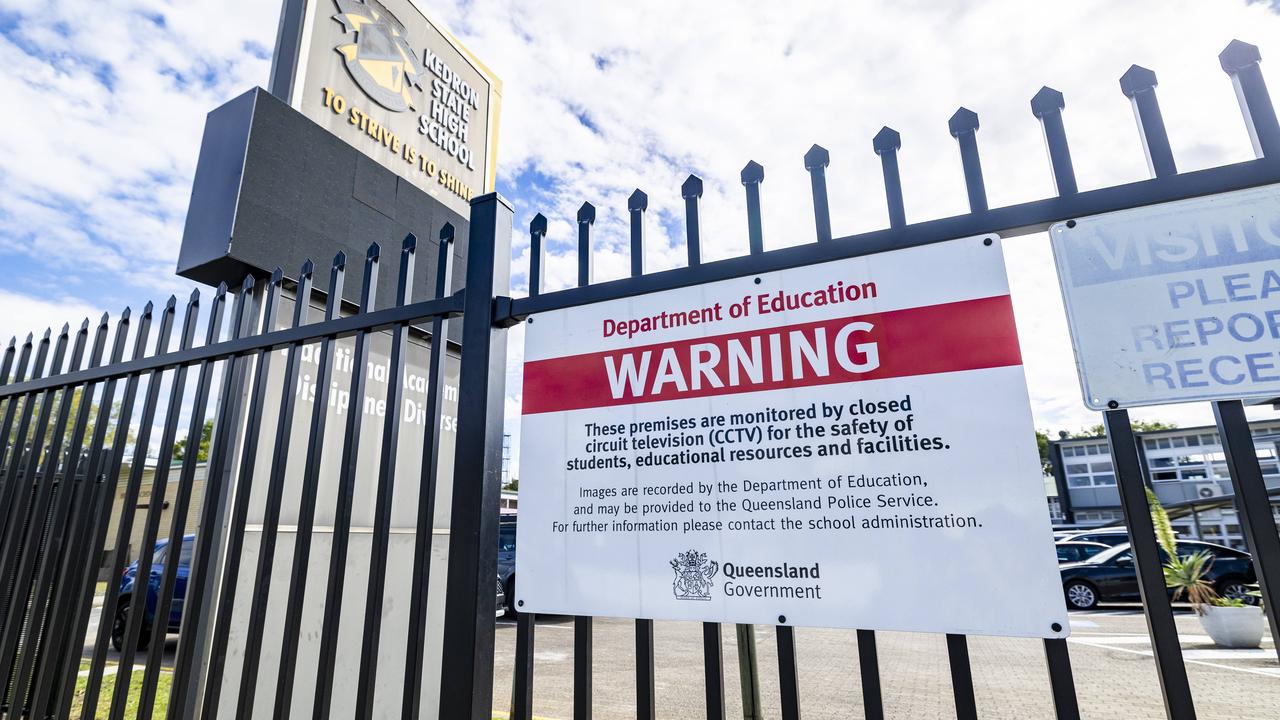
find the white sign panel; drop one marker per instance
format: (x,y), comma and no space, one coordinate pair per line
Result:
(1177,302)
(841,445)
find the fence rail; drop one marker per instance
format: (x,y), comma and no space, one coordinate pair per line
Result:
(67,437)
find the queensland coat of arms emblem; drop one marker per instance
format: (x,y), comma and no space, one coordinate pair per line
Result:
(693,575)
(380,59)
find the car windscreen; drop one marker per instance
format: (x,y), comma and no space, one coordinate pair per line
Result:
(506,538)
(184,558)
(1109,554)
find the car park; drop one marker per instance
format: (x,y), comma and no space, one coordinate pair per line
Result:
(1076,551)
(1112,576)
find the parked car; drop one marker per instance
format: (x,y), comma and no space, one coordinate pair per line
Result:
(128,584)
(126,597)
(1074,551)
(1106,536)
(507,559)
(1111,575)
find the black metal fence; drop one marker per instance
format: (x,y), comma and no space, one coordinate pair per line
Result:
(67,435)
(1241,62)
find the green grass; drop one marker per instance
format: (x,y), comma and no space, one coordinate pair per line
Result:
(163,688)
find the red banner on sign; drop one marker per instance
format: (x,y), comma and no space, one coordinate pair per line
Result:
(951,337)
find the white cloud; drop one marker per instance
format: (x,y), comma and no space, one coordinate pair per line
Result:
(23,314)
(105,110)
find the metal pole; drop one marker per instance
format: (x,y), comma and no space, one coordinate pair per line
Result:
(886,143)
(713,662)
(335,586)
(691,191)
(411,699)
(869,667)
(307,496)
(1047,106)
(752,175)
(748,672)
(788,682)
(816,162)
(961,677)
(385,495)
(284,62)
(964,128)
(1178,704)
(252,650)
(1253,505)
(1241,61)
(522,685)
(467,677)
(189,682)
(646,700)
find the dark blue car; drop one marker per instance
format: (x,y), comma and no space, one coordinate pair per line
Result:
(128,586)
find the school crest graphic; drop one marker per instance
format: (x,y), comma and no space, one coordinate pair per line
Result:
(379,57)
(693,575)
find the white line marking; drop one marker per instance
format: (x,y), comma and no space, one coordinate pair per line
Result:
(1265,672)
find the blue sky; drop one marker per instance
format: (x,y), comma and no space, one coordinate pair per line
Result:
(105,102)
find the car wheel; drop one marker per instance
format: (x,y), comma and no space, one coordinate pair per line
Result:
(1233,589)
(511,596)
(1081,595)
(121,624)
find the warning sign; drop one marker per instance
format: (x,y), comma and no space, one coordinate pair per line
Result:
(846,445)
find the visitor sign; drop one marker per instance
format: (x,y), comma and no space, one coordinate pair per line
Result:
(1177,302)
(847,444)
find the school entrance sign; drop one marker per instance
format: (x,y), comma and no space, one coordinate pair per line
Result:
(1176,302)
(792,444)
(384,78)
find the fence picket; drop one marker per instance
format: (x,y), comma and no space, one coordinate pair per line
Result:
(84,524)
(231,575)
(199,605)
(1047,106)
(307,497)
(411,701)
(816,162)
(181,504)
(322,704)
(385,493)
(97,666)
(43,597)
(261,588)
